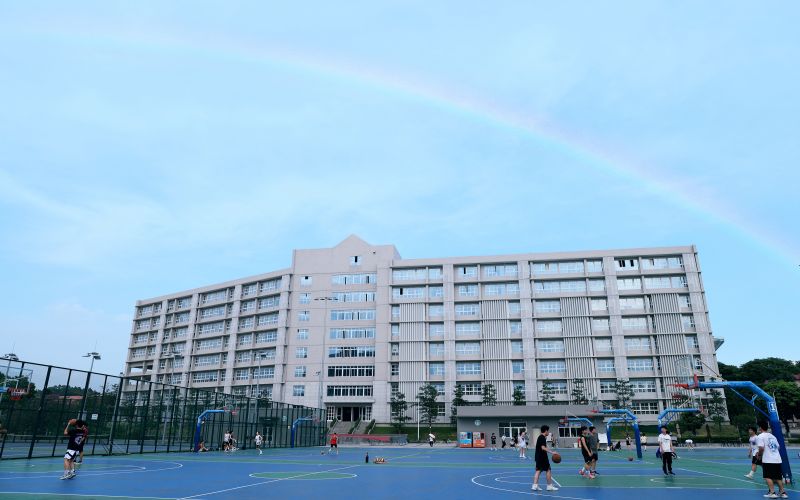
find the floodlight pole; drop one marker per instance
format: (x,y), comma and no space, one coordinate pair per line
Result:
(91,355)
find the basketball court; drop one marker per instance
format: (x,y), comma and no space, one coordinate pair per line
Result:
(410,472)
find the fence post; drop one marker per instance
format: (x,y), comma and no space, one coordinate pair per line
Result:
(114,417)
(39,413)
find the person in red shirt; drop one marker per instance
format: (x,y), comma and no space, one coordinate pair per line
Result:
(334,443)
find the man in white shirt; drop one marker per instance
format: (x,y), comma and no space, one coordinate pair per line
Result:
(665,447)
(753,452)
(769,451)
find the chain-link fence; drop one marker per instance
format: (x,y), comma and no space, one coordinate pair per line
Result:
(128,415)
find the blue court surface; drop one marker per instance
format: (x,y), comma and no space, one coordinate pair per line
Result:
(410,472)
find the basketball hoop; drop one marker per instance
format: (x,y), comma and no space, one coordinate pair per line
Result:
(16,394)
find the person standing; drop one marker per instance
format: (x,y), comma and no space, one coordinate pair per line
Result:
(431,439)
(594,445)
(543,461)
(752,452)
(503,441)
(259,440)
(494,442)
(583,444)
(665,447)
(226,441)
(334,444)
(76,430)
(769,451)
(643,441)
(523,444)
(628,442)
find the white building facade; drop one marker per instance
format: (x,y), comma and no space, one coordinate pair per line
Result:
(348,326)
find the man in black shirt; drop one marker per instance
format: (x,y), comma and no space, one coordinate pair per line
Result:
(543,461)
(77,432)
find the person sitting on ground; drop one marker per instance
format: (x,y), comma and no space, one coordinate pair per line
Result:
(201,446)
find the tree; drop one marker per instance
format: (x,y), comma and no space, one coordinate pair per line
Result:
(399,405)
(547,393)
(761,371)
(458,400)
(489,395)
(624,393)
(428,407)
(518,396)
(716,409)
(692,421)
(579,392)
(787,399)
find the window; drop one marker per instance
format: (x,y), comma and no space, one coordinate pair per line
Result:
(241,374)
(352,371)
(627,264)
(352,352)
(516,347)
(495,289)
(436,368)
(544,267)
(207,360)
(551,345)
(600,324)
(629,284)
(515,327)
(594,266)
(514,307)
(436,348)
(302,334)
(244,339)
(644,407)
(264,337)
(298,390)
(468,367)
(299,371)
(353,315)
(269,319)
(395,367)
(602,345)
(419,273)
(242,357)
(599,304)
(607,387)
(467,271)
(565,286)
(468,328)
(209,344)
(205,298)
(665,282)
(548,325)
(205,376)
(435,292)
(559,387)
(249,290)
(435,273)
(306,281)
(301,352)
(435,310)
(467,290)
(687,322)
(684,301)
(216,327)
(467,309)
(662,263)
(395,330)
(355,260)
(640,364)
(263,372)
(435,329)
(247,306)
(471,388)
(605,365)
(394,349)
(634,323)
(548,306)
(698,363)
(395,312)
(554,366)
(266,354)
(499,270)
(439,388)
(305,298)
(597,285)
(353,279)
(691,342)
(408,292)
(244,323)
(637,343)
(303,315)
(354,333)
(643,385)
(466,348)
(269,302)
(269,285)
(354,296)
(631,303)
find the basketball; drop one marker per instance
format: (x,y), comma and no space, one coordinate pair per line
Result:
(630,459)
(556,458)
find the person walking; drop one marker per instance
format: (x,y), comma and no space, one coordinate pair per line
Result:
(771,462)
(334,444)
(494,442)
(431,439)
(665,449)
(259,440)
(594,445)
(583,444)
(543,461)
(752,452)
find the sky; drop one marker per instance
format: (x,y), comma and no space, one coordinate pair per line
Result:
(153,147)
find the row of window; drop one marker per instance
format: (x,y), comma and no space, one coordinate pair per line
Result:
(466,328)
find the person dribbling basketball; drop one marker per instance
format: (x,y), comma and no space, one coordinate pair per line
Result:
(543,461)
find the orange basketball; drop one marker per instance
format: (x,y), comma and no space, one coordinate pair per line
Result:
(556,458)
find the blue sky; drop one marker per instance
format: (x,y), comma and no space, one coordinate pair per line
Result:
(148,148)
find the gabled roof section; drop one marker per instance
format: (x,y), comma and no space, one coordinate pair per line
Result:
(353,240)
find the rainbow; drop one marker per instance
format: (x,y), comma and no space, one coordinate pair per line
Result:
(455,101)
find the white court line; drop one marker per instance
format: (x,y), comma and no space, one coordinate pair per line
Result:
(82,495)
(748,481)
(266,482)
(529,492)
(92,474)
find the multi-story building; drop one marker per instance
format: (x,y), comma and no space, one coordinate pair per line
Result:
(348,326)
